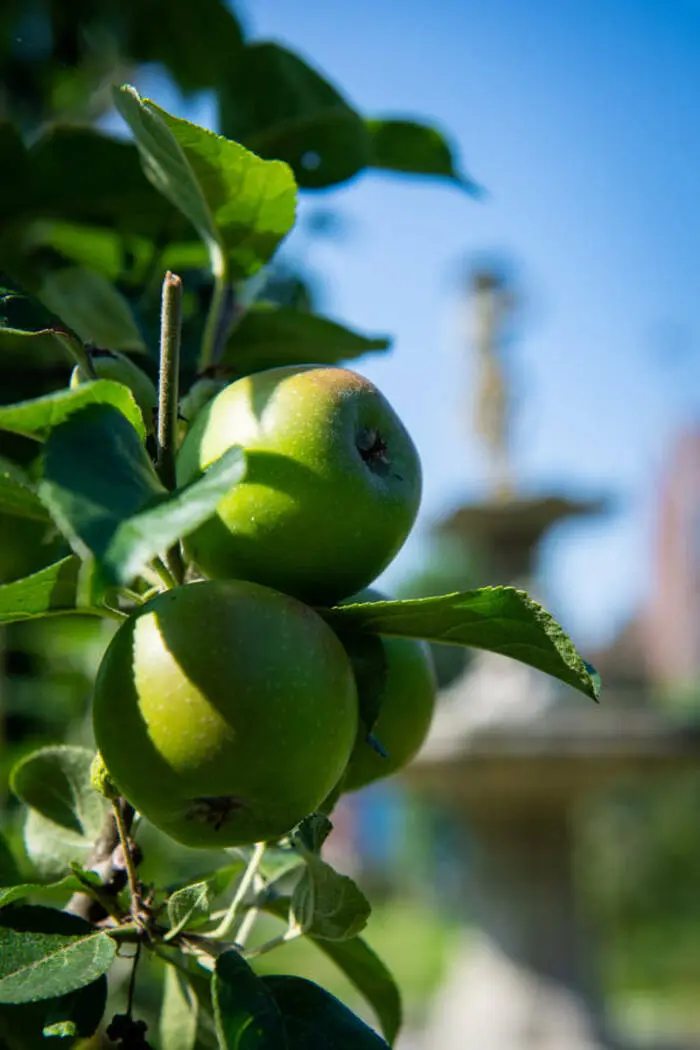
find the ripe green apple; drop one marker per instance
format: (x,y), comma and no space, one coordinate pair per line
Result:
(225,712)
(110,364)
(332,486)
(401,671)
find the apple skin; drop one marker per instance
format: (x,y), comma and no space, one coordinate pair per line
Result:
(225,712)
(407,687)
(332,486)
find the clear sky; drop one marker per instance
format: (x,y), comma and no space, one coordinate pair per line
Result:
(582,121)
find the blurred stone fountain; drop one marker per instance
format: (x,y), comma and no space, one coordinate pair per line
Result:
(512,753)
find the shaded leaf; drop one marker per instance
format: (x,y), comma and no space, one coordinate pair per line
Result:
(179,1011)
(49,592)
(276,104)
(52,848)
(17,493)
(312,832)
(46,953)
(245,1014)
(360,965)
(267,337)
(500,619)
(92,307)
(38,417)
(83,175)
(315,1020)
(413,148)
(75,1015)
(240,205)
(371,977)
(55,781)
(101,489)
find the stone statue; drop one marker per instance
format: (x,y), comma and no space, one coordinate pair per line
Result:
(493,303)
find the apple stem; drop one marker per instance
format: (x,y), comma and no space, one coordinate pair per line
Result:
(226,924)
(128,857)
(168,398)
(168,377)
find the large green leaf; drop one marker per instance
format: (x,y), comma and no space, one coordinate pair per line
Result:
(267,337)
(245,1013)
(102,491)
(92,307)
(240,205)
(413,148)
(371,977)
(49,592)
(363,968)
(277,105)
(500,619)
(315,1020)
(39,417)
(46,953)
(66,814)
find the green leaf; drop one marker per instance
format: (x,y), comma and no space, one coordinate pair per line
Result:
(371,978)
(360,965)
(49,592)
(75,1015)
(102,491)
(55,781)
(327,904)
(312,832)
(46,953)
(240,205)
(179,1011)
(277,105)
(51,848)
(11,894)
(245,1014)
(17,493)
(29,333)
(82,175)
(499,619)
(9,872)
(315,1020)
(267,337)
(201,42)
(92,307)
(189,907)
(37,418)
(406,146)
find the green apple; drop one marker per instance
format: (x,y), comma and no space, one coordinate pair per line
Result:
(332,486)
(110,364)
(225,712)
(399,673)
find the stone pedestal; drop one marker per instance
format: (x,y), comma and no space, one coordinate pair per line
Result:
(511,754)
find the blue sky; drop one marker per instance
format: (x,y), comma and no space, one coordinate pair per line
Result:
(582,121)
